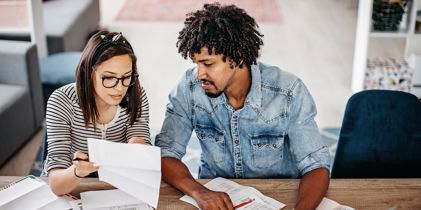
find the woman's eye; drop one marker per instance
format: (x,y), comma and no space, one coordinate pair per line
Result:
(109,78)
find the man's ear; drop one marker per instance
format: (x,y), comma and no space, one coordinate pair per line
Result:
(233,64)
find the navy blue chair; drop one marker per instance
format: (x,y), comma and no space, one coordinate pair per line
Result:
(380,136)
(44,147)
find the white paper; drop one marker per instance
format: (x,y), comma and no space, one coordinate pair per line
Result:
(242,197)
(328,204)
(76,204)
(29,193)
(132,168)
(111,199)
(18,189)
(141,191)
(60,203)
(149,178)
(123,155)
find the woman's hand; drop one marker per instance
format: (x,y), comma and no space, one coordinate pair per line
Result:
(136,140)
(82,165)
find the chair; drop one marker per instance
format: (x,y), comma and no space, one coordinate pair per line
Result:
(21,106)
(44,147)
(380,136)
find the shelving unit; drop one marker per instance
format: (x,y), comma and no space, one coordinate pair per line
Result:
(365,35)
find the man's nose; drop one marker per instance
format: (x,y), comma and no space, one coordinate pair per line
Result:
(201,73)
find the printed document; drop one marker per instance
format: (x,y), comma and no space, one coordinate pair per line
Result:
(328,204)
(111,200)
(132,168)
(31,193)
(242,197)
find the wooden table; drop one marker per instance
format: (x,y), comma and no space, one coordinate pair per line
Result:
(385,194)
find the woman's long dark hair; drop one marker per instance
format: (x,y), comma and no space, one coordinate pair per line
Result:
(100,48)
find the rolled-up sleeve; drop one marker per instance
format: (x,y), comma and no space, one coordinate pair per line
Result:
(306,145)
(177,127)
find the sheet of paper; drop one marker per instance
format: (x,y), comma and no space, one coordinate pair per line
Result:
(111,199)
(62,203)
(33,200)
(149,178)
(138,190)
(28,193)
(328,204)
(242,197)
(18,189)
(133,168)
(76,204)
(136,156)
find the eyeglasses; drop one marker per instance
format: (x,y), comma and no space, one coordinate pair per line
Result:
(110,82)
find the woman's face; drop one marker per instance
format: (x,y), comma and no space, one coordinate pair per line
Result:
(108,78)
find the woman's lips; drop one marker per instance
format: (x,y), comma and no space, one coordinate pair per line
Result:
(116,97)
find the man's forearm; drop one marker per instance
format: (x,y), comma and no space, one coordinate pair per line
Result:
(175,173)
(313,188)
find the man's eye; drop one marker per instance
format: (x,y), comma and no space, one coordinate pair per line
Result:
(207,64)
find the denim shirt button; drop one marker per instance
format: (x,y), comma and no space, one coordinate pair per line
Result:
(274,145)
(236,141)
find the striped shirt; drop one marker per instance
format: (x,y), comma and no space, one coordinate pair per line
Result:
(67,133)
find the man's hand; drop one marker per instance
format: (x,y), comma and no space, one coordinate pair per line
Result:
(211,200)
(136,140)
(313,187)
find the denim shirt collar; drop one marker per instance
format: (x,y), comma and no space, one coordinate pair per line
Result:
(254,95)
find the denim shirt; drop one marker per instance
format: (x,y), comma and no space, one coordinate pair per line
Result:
(273,135)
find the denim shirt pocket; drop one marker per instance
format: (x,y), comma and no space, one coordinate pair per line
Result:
(267,149)
(212,141)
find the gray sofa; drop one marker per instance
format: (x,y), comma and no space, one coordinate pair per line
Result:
(67,24)
(21,104)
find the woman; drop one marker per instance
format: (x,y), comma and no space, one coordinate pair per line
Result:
(106,102)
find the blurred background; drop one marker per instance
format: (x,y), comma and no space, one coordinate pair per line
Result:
(337,47)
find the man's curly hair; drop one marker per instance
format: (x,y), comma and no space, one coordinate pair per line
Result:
(228,30)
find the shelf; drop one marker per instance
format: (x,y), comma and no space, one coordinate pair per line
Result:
(389,34)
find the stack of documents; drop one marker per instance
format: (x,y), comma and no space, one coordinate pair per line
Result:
(242,197)
(132,168)
(31,193)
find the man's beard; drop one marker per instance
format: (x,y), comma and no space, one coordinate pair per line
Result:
(213,95)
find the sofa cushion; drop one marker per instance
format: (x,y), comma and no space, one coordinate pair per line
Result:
(9,94)
(59,68)
(16,119)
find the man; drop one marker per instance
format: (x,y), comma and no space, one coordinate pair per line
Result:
(252,120)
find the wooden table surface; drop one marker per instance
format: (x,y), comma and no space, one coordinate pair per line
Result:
(385,194)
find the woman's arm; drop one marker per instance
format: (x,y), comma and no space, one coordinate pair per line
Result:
(63,181)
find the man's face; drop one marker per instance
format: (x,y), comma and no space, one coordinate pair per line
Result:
(215,74)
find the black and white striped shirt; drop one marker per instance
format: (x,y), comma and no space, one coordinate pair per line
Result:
(67,133)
